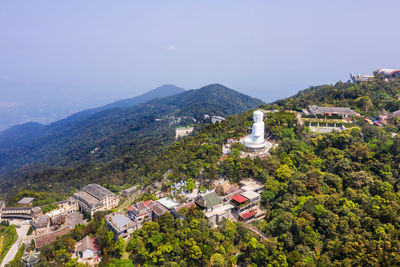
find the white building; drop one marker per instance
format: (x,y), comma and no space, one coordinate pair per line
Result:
(88,248)
(215,119)
(183,131)
(167,203)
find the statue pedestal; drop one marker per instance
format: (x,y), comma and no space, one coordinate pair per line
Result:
(254,147)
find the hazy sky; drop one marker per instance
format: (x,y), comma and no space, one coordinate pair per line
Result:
(107,50)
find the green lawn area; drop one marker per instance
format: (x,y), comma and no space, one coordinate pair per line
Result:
(8,235)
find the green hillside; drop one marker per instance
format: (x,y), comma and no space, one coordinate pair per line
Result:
(368,97)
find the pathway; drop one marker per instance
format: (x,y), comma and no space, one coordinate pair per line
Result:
(21,232)
(256,231)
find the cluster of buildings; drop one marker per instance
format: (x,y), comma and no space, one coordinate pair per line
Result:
(225,201)
(47,227)
(125,223)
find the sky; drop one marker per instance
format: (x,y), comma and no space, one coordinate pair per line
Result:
(63,56)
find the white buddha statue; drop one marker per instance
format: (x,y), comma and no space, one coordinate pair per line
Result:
(256,139)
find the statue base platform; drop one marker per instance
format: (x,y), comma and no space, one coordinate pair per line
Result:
(254,147)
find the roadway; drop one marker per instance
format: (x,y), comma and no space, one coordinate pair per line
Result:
(21,232)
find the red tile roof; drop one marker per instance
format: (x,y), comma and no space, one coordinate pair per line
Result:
(248,214)
(140,207)
(188,205)
(239,198)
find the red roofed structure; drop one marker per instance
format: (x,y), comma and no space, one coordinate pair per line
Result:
(239,198)
(248,215)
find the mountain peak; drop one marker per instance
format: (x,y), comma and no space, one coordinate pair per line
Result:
(158,92)
(214,86)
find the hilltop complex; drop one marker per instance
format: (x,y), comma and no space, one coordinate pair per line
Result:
(386,72)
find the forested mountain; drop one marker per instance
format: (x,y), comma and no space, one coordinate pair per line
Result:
(159,92)
(28,131)
(113,132)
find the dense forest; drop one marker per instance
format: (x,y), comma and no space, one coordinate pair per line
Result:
(331,200)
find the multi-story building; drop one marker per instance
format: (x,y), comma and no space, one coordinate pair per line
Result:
(94,197)
(246,206)
(120,224)
(157,210)
(140,212)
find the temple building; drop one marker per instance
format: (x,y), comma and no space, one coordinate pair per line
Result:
(329,111)
(94,197)
(30,259)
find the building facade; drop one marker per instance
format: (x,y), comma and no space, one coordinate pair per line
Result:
(140,212)
(94,197)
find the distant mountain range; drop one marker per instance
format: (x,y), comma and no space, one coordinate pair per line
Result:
(107,132)
(22,133)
